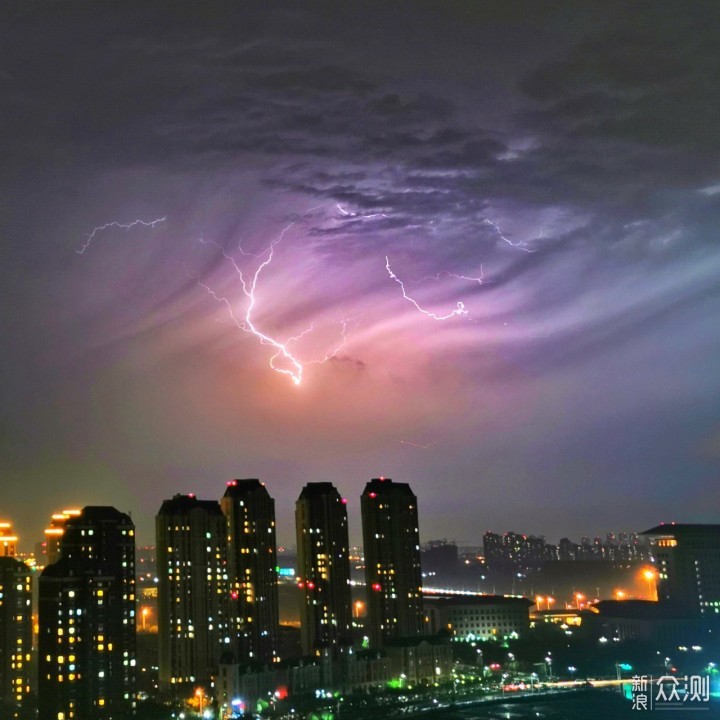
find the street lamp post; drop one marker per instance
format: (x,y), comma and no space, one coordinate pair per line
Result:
(548,660)
(650,576)
(200,696)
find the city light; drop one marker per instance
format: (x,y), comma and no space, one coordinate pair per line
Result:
(650,576)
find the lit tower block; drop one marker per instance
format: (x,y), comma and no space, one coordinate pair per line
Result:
(15,637)
(392,560)
(87,620)
(323,568)
(250,513)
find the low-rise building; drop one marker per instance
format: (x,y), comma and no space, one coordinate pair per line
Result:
(478,617)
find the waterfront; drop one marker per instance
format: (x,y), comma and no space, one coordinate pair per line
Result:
(589,705)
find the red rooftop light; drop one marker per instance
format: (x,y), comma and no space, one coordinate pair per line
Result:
(377,587)
(372,495)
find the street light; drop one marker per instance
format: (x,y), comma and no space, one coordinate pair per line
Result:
(200,696)
(548,660)
(650,576)
(579,597)
(143,614)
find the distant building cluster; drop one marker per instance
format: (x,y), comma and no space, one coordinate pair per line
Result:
(524,553)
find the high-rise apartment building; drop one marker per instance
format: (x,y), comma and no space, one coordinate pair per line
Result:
(250,513)
(688,564)
(53,536)
(392,560)
(87,620)
(323,568)
(193,591)
(15,638)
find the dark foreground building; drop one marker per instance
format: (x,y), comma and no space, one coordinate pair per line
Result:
(392,560)
(15,638)
(250,513)
(87,621)
(193,590)
(323,568)
(688,564)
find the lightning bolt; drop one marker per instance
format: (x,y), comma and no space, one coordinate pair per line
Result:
(330,354)
(457,312)
(479,280)
(368,216)
(122,226)
(497,229)
(247,324)
(418,445)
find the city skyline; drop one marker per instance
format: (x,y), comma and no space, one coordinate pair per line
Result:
(469,246)
(286,535)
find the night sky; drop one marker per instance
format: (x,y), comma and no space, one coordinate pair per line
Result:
(552,167)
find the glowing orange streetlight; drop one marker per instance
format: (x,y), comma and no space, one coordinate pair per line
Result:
(200,695)
(358,606)
(144,612)
(650,576)
(539,599)
(619,594)
(549,601)
(579,597)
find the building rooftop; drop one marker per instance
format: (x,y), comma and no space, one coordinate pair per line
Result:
(476,600)
(243,487)
(679,529)
(386,485)
(186,503)
(635,609)
(98,513)
(315,489)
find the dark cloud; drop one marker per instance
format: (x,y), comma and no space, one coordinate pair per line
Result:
(554,168)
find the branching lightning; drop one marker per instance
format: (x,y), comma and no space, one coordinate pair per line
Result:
(247,324)
(330,354)
(497,229)
(122,226)
(457,312)
(362,216)
(480,280)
